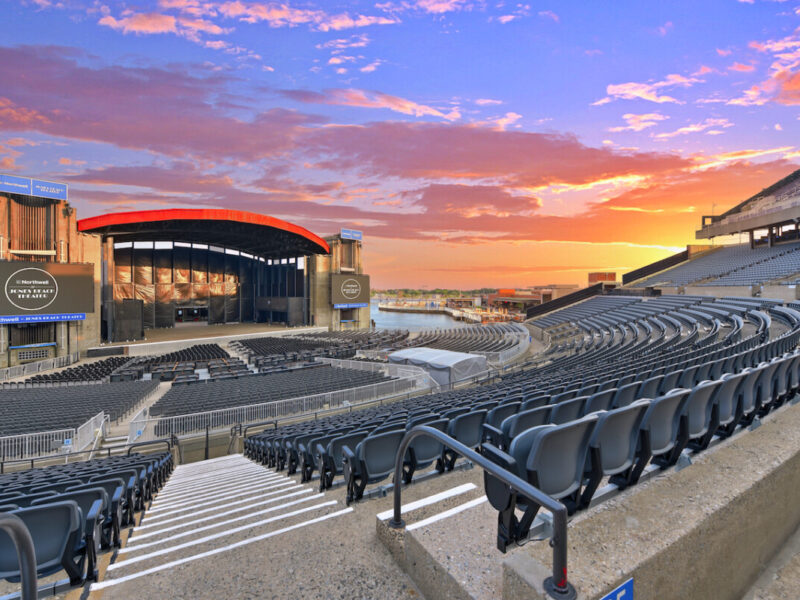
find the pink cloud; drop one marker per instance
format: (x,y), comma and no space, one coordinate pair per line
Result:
(439,7)
(141,23)
(647,91)
(696,128)
(639,122)
(366,99)
(741,68)
(549,14)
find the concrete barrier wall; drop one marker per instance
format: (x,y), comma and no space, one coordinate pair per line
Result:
(719,291)
(703,532)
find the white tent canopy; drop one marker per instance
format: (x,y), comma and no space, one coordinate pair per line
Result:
(444,366)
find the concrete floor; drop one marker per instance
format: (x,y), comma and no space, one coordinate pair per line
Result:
(193,331)
(274,554)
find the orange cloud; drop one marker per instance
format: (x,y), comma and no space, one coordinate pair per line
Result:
(366,99)
(741,68)
(646,91)
(141,23)
(639,122)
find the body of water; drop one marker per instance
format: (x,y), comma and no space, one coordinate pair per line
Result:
(410,321)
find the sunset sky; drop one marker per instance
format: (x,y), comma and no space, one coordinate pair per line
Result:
(476,143)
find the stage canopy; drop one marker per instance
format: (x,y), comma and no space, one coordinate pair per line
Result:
(256,234)
(444,366)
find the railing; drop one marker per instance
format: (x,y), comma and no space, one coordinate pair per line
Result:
(37,367)
(587,292)
(557,585)
(30,445)
(49,443)
(389,369)
(86,433)
(19,534)
(655,267)
(31,462)
(191,424)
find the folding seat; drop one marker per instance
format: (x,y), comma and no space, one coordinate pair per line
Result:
(663,429)
(423,451)
(92,503)
(552,459)
(570,410)
(467,429)
(612,448)
(588,390)
(329,458)
(534,402)
(128,499)
(569,395)
(669,382)
(500,412)
(702,412)
(371,461)
(649,387)
(626,379)
(749,395)
(625,394)
(702,373)
(515,424)
(794,373)
(600,401)
(28,499)
(57,533)
(768,385)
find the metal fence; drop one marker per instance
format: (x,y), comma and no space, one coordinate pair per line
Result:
(37,367)
(145,429)
(48,443)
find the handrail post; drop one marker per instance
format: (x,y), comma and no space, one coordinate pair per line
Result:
(556,586)
(19,534)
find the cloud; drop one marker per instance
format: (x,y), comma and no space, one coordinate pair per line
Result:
(782,85)
(717,160)
(360,40)
(141,23)
(438,7)
(741,68)
(549,14)
(371,67)
(487,102)
(639,122)
(647,91)
(722,52)
(664,29)
(368,99)
(695,128)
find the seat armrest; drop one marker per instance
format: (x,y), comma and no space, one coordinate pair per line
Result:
(320,450)
(348,454)
(117,495)
(492,433)
(94,514)
(500,458)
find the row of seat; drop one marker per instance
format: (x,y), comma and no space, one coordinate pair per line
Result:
(74,510)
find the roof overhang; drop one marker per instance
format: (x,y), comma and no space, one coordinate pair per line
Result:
(259,235)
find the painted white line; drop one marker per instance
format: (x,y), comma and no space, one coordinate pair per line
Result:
(214,509)
(226,492)
(248,504)
(189,505)
(183,481)
(461,489)
(216,479)
(249,515)
(104,584)
(216,536)
(200,493)
(448,513)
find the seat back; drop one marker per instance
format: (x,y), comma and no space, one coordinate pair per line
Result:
(600,401)
(662,420)
(669,382)
(378,453)
(535,402)
(500,412)
(425,447)
(351,440)
(698,407)
(467,428)
(51,527)
(515,424)
(568,410)
(726,396)
(625,394)
(83,498)
(649,387)
(617,435)
(558,456)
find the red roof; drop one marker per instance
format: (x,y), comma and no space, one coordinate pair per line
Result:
(257,234)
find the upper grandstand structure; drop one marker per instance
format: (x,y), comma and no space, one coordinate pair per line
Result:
(772,209)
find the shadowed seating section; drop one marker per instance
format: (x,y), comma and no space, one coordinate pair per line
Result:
(471,338)
(73,510)
(44,409)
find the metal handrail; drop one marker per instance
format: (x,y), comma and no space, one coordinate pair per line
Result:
(170,442)
(32,461)
(19,534)
(557,585)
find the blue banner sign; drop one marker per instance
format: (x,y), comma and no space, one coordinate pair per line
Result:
(49,189)
(352,234)
(33,187)
(15,185)
(350,305)
(32,346)
(14,319)
(623,592)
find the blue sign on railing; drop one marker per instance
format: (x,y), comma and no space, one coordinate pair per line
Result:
(33,187)
(623,592)
(357,305)
(352,234)
(14,319)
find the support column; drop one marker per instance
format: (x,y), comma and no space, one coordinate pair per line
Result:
(752,240)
